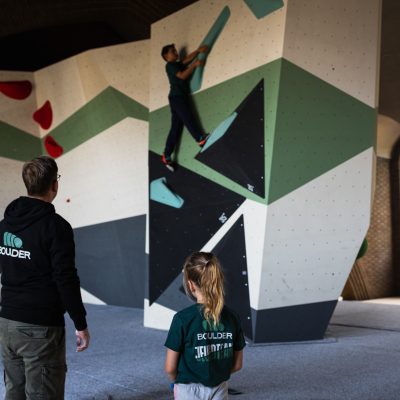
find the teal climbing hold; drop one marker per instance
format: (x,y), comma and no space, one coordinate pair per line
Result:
(159,191)
(209,40)
(261,8)
(219,131)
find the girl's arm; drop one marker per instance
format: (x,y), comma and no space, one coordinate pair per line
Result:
(237,361)
(171,363)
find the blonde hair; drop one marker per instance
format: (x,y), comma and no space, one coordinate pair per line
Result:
(205,271)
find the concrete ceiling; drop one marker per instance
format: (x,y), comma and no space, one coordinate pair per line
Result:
(37,33)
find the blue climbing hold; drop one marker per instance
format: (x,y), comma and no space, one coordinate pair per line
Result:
(219,131)
(159,191)
(261,8)
(209,40)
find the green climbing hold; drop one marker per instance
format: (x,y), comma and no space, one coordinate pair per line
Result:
(363,249)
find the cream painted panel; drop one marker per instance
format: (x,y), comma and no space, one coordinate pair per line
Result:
(61,84)
(89,298)
(11,185)
(19,113)
(124,67)
(157,316)
(313,235)
(105,178)
(338,41)
(244,44)
(255,218)
(73,82)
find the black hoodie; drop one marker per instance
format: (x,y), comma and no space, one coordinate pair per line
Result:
(37,257)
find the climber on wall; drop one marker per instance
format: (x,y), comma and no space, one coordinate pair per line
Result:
(179,73)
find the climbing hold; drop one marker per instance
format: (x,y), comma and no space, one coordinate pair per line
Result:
(52,147)
(44,115)
(219,131)
(209,40)
(261,8)
(17,90)
(159,191)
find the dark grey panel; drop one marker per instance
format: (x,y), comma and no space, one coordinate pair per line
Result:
(174,297)
(111,260)
(292,324)
(231,251)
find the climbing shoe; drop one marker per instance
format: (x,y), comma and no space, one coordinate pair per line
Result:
(167,162)
(203,140)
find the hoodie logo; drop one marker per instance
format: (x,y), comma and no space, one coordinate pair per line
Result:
(11,240)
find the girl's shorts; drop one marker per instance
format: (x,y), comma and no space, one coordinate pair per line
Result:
(197,391)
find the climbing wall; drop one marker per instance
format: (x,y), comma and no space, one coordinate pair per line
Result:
(282,191)
(90,112)
(19,136)
(289,94)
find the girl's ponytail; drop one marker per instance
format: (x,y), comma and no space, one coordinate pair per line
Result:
(212,289)
(204,270)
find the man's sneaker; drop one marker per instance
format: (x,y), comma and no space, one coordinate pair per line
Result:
(167,162)
(203,140)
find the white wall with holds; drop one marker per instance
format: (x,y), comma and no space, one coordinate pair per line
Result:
(18,113)
(313,235)
(105,178)
(338,41)
(245,42)
(71,83)
(11,185)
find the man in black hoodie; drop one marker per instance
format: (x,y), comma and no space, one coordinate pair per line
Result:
(39,284)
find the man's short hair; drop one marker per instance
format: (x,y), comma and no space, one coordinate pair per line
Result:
(166,49)
(39,174)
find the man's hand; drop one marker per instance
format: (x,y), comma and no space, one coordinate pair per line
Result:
(203,49)
(198,63)
(82,340)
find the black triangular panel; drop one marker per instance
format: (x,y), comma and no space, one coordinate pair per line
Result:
(176,232)
(231,251)
(239,154)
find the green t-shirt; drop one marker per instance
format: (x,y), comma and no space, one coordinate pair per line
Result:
(179,87)
(206,354)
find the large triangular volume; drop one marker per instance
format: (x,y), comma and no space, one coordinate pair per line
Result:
(239,153)
(231,251)
(176,232)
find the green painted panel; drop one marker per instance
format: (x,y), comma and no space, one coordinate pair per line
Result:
(214,105)
(17,144)
(102,112)
(317,128)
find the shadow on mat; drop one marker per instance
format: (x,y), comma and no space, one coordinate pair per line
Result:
(159,394)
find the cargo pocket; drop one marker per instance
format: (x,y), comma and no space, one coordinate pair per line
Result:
(53,381)
(34,332)
(31,341)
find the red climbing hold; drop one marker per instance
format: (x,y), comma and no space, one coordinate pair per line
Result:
(17,90)
(52,147)
(44,115)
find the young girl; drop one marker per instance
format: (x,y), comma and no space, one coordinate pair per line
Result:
(205,341)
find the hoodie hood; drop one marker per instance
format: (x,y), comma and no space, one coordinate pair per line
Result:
(25,211)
